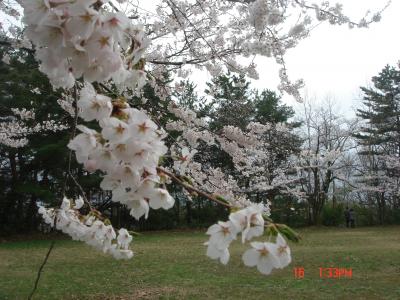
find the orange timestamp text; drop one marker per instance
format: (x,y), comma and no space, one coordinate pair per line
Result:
(330,272)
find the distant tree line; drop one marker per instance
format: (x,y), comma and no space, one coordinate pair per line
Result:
(323,161)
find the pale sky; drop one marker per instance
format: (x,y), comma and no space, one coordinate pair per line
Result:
(336,60)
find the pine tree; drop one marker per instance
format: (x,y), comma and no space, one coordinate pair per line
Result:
(235,103)
(231,101)
(379,139)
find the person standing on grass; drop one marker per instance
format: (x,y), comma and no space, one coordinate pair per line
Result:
(347,216)
(352,218)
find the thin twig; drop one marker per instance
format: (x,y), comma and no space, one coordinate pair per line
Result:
(191,188)
(68,172)
(81,190)
(67,175)
(40,270)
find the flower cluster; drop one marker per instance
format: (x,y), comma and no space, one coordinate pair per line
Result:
(261,13)
(66,102)
(267,256)
(250,223)
(79,38)
(14,130)
(250,152)
(127,150)
(23,113)
(89,229)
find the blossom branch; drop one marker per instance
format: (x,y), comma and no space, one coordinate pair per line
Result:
(191,188)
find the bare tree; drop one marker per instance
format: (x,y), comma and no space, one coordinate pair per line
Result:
(324,158)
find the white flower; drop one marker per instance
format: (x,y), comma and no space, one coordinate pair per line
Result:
(79,203)
(160,198)
(114,130)
(35,10)
(282,252)
(214,253)
(249,221)
(90,165)
(116,23)
(262,255)
(109,232)
(92,105)
(139,208)
(99,229)
(79,62)
(100,42)
(89,221)
(136,201)
(66,204)
(47,215)
(103,66)
(42,210)
(128,176)
(183,161)
(124,238)
(141,126)
(83,143)
(132,151)
(222,234)
(105,159)
(62,220)
(81,23)
(36,91)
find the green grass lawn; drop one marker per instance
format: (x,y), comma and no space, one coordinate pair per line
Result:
(174,266)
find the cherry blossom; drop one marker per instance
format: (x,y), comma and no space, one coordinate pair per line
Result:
(93,106)
(222,234)
(282,251)
(88,229)
(249,221)
(263,256)
(216,253)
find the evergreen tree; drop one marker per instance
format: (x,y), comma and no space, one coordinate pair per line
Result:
(35,173)
(235,103)
(231,101)
(382,112)
(379,139)
(27,171)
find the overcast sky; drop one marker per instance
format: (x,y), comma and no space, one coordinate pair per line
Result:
(335,60)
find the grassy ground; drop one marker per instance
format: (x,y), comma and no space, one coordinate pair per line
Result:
(174,266)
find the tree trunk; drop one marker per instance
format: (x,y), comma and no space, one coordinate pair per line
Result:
(188,212)
(381,208)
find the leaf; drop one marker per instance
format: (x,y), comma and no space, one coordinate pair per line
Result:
(289,233)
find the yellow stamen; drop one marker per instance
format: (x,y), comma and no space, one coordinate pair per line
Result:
(96,105)
(225,230)
(143,127)
(263,252)
(104,41)
(120,129)
(282,250)
(87,18)
(121,147)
